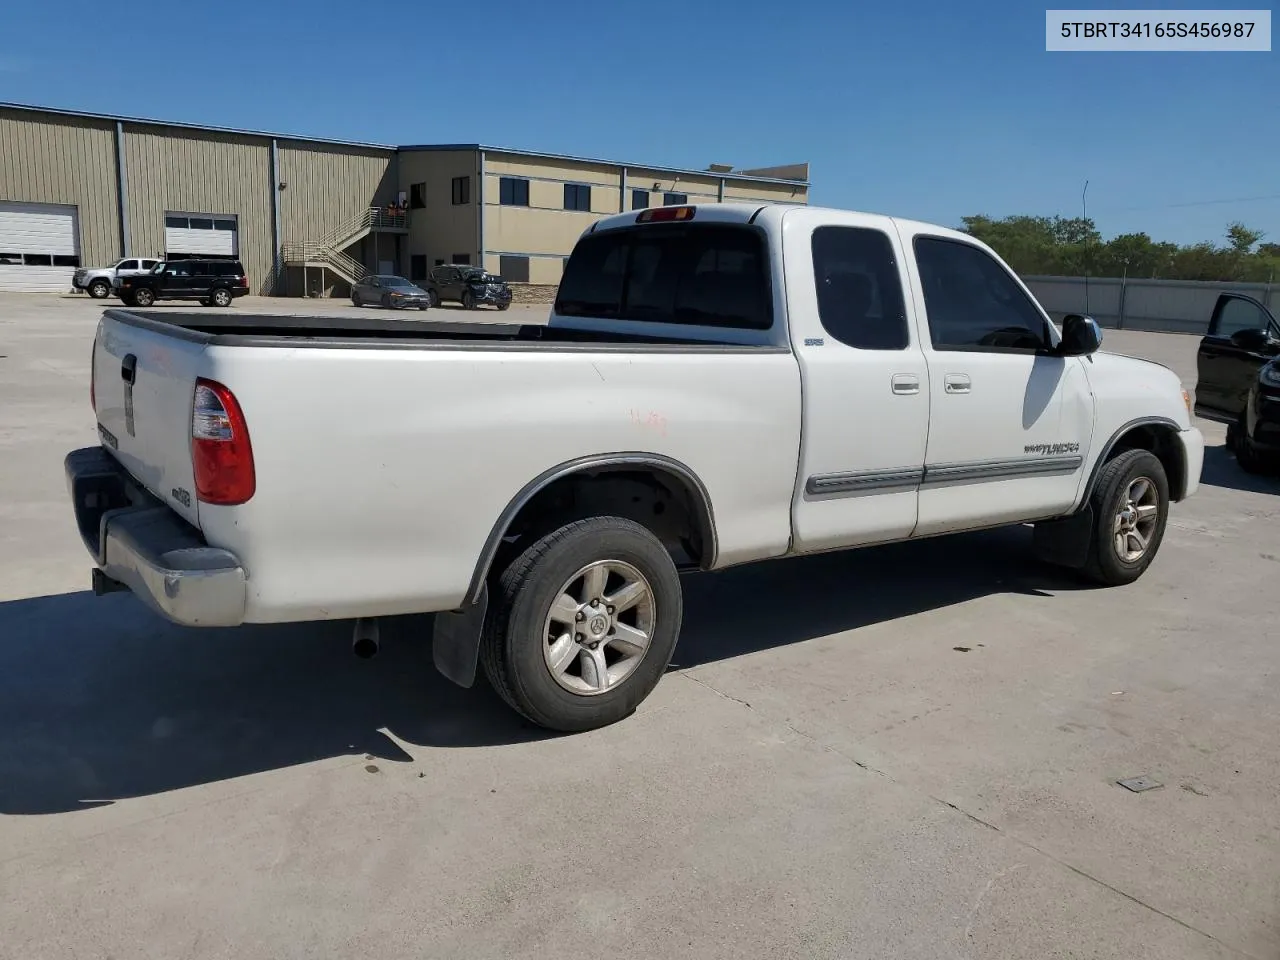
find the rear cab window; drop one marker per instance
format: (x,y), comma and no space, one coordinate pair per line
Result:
(709,275)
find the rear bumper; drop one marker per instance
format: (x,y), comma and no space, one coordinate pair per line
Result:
(139,542)
(1192,441)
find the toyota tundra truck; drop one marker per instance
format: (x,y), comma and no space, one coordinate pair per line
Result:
(716,385)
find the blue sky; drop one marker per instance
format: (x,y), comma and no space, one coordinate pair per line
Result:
(930,110)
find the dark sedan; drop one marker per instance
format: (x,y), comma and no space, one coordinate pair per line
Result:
(388,291)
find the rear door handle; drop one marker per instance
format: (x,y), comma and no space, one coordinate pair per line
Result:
(956,383)
(905,384)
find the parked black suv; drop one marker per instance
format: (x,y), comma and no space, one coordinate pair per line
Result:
(469,286)
(212,282)
(1238,380)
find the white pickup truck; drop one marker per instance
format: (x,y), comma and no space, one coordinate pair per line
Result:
(716,385)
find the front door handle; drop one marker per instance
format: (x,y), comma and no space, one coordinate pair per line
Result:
(905,384)
(956,383)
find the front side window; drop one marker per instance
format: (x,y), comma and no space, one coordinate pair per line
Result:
(127,265)
(973,303)
(701,275)
(1237,315)
(860,301)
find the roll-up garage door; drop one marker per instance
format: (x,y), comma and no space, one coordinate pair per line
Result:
(39,246)
(200,234)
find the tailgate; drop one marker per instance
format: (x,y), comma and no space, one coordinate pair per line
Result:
(143,384)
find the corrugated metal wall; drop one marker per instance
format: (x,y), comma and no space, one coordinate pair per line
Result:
(329,185)
(199,172)
(46,159)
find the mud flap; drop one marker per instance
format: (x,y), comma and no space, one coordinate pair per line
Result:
(1064,542)
(455,641)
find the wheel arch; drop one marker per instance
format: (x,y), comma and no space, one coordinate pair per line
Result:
(1158,435)
(666,470)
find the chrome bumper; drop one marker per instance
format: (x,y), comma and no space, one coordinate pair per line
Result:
(139,542)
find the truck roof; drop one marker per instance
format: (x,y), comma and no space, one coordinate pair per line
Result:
(737,212)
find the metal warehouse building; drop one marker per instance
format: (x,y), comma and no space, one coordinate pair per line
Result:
(309,216)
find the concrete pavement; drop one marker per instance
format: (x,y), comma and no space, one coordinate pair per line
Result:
(825,773)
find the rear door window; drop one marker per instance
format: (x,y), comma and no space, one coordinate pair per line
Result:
(712,275)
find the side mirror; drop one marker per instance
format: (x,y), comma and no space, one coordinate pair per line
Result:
(1250,339)
(1081,336)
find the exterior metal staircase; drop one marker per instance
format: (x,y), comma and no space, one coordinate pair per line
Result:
(328,251)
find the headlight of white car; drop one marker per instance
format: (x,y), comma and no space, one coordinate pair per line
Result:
(1270,375)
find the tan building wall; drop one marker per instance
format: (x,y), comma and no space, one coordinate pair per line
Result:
(197,172)
(739,190)
(329,185)
(45,158)
(442,228)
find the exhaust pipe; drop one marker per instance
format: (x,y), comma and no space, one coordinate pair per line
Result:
(364,639)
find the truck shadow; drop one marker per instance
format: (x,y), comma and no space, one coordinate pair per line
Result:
(101,701)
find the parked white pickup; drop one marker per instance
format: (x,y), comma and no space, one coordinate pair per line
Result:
(717,385)
(98,282)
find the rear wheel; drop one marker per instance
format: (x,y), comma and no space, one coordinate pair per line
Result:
(99,289)
(503,306)
(143,297)
(583,625)
(433,298)
(356,301)
(468,300)
(220,298)
(1130,508)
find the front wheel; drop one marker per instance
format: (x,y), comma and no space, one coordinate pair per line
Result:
(433,298)
(503,306)
(356,301)
(99,289)
(1130,507)
(1247,454)
(583,624)
(143,297)
(468,301)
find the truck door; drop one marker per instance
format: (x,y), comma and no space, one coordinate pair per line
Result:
(865,384)
(1009,422)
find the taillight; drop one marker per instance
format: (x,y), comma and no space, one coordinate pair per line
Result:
(243,282)
(220,450)
(662,214)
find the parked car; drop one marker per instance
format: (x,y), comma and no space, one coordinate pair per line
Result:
(99,282)
(212,282)
(704,395)
(388,291)
(1238,379)
(469,286)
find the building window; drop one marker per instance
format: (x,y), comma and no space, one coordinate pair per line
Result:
(417,195)
(577,196)
(176,223)
(674,199)
(514,269)
(461,258)
(639,199)
(228,226)
(201,223)
(63,260)
(461,190)
(513,192)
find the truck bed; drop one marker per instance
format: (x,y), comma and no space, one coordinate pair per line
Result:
(387,329)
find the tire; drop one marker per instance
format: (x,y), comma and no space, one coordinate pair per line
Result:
(386,301)
(433,298)
(516,646)
(468,301)
(142,297)
(356,301)
(1113,501)
(1247,455)
(99,289)
(220,297)
(423,306)
(503,306)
